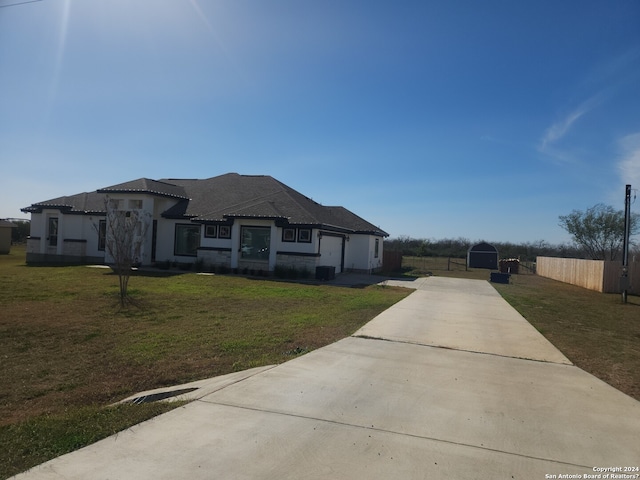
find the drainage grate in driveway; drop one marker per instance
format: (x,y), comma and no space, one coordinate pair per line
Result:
(156,397)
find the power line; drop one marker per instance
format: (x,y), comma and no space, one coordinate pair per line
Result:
(19,3)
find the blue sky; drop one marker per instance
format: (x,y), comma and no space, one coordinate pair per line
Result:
(432,119)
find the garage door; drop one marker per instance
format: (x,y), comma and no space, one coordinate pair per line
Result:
(331,252)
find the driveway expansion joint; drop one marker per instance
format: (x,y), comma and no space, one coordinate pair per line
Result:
(428,345)
(392,432)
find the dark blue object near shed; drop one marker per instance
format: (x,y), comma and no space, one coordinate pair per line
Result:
(483,255)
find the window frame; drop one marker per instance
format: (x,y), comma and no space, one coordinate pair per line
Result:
(102,235)
(135,204)
(180,226)
(304,235)
(52,233)
(207,232)
(263,253)
(224,231)
(289,235)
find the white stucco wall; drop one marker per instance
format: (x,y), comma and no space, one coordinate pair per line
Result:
(36,225)
(361,253)
(77,236)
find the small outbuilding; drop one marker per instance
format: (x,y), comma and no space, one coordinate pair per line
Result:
(483,255)
(5,236)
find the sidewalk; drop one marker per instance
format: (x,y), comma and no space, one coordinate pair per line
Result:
(449,383)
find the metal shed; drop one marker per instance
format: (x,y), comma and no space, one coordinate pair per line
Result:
(483,255)
(5,236)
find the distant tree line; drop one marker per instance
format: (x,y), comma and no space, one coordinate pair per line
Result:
(21,232)
(458,247)
(597,234)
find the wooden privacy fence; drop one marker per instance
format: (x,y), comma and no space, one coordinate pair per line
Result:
(391,261)
(598,275)
(612,273)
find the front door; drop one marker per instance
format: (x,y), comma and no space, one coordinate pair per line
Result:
(52,235)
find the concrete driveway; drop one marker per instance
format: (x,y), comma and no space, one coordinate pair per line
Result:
(449,383)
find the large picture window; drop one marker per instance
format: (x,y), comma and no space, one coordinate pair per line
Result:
(255,243)
(187,240)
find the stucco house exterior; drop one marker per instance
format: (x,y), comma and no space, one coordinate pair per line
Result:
(235,221)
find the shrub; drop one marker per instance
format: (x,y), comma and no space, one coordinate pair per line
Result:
(166,265)
(279,271)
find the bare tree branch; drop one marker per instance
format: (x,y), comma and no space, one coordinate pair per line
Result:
(124,238)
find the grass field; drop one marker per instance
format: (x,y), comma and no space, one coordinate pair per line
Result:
(596,331)
(68,350)
(449,267)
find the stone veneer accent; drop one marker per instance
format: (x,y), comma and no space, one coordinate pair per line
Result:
(299,262)
(215,257)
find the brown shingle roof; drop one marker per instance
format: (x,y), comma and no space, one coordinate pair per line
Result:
(91,202)
(222,198)
(146,185)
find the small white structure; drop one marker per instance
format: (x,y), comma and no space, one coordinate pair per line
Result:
(233,221)
(5,236)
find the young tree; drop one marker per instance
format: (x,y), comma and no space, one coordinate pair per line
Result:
(599,230)
(125,234)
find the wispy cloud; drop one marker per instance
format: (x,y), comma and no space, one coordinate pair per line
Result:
(560,128)
(629,163)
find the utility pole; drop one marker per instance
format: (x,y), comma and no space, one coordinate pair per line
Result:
(624,280)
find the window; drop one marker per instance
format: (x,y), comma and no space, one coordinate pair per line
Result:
(304,235)
(224,231)
(53,231)
(376,248)
(135,204)
(115,204)
(288,234)
(210,231)
(187,240)
(255,243)
(102,234)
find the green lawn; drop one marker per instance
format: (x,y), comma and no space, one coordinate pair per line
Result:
(596,331)
(68,349)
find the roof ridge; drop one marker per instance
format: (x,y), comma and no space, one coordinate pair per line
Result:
(287,190)
(247,203)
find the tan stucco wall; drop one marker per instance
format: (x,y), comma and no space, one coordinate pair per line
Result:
(5,240)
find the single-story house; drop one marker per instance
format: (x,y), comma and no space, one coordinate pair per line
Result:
(232,220)
(5,236)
